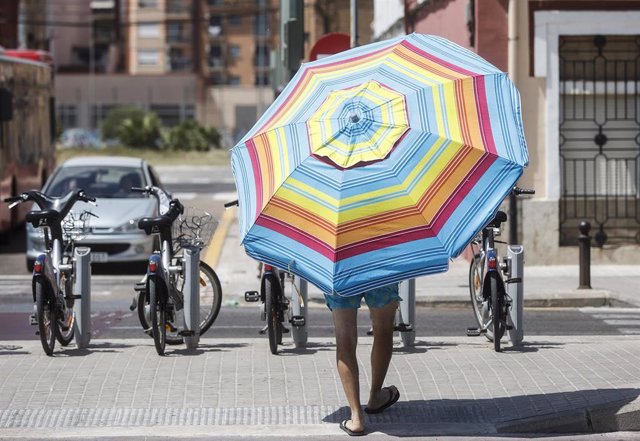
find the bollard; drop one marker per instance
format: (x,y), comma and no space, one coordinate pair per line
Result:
(584,246)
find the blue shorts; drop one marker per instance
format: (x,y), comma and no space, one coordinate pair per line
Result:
(375,298)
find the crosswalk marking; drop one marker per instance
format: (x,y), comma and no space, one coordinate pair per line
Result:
(625,320)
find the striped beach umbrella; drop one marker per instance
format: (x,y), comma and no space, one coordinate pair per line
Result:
(379,164)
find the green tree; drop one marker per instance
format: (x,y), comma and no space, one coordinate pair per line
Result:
(140,131)
(112,121)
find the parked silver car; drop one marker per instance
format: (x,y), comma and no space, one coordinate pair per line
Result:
(114,235)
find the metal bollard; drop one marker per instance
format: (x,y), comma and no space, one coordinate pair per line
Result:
(584,246)
(191,292)
(82,289)
(407,292)
(515,254)
(299,308)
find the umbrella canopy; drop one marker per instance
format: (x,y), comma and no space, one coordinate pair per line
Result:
(379,164)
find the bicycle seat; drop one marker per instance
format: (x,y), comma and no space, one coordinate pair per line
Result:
(500,217)
(147,223)
(36,218)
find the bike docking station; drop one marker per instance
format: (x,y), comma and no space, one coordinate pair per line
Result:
(299,302)
(515,291)
(82,294)
(191,291)
(406,316)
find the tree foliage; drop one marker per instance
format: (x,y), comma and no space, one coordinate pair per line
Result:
(140,131)
(115,117)
(190,135)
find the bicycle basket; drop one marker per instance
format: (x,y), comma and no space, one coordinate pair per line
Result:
(193,228)
(75,226)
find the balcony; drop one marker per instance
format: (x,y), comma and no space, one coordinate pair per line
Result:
(178,7)
(177,64)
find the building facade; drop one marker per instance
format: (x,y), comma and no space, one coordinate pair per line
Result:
(575,64)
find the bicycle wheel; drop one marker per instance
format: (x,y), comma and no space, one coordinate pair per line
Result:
(158,316)
(475,289)
(210,297)
(68,318)
(271,307)
(46,315)
(498,318)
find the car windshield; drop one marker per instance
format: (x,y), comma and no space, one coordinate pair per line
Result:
(97,181)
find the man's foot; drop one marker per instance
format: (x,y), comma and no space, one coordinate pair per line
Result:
(351,431)
(385,398)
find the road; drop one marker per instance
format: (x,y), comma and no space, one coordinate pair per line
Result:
(208,189)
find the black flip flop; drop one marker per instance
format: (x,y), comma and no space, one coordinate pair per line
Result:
(343,426)
(393,397)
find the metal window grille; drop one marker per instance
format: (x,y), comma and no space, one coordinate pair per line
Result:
(600,137)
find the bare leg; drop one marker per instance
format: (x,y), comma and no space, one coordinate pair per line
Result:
(382,322)
(345,321)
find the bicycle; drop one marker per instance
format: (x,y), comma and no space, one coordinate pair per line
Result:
(276,306)
(177,281)
(490,300)
(55,271)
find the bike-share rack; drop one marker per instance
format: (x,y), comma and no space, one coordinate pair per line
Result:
(515,291)
(299,302)
(82,293)
(407,312)
(191,292)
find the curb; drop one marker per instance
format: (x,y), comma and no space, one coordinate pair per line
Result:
(623,415)
(551,300)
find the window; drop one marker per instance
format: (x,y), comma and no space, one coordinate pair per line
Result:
(262,79)
(235,20)
(178,61)
(174,32)
(215,2)
(172,114)
(148,57)
(262,56)
(215,25)
(261,25)
(147,3)
(233,80)
(234,52)
(67,116)
(148,30)
(99,112)
(215,56)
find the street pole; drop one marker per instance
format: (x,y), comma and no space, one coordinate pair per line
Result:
(512,31)
(354,23)
(92,84)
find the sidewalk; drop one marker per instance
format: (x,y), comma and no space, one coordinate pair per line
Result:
(236,387)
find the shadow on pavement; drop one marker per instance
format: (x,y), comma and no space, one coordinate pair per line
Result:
(12,350)
(516,412)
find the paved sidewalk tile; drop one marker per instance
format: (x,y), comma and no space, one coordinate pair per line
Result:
(228,382)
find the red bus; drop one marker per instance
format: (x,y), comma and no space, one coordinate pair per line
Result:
(27,128)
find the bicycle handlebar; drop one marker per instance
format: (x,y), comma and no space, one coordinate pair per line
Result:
(231,204)
(13,199)
(518,191)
